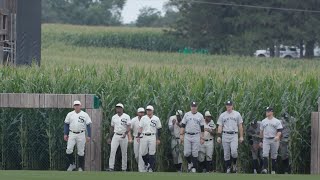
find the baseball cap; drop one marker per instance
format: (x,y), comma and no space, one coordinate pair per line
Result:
(194,104)
(229,103)
(269,109)
(207,114)
(77,102)
(179,113)
(120,105)
(140,110)
(150,108)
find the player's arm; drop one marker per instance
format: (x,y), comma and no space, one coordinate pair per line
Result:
(66,127)
(241,130)
(170,124)
(279,131)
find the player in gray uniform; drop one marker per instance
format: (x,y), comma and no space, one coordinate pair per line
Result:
(206,149)
(119,136)
(270,132)
(230,125)
(253,132)
(136,146)
(150,128)
(284,142)
(192,135)
(75,126)
(174,127)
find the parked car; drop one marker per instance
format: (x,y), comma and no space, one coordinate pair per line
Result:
(285,52)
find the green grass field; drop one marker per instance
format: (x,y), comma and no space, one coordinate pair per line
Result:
(54,175)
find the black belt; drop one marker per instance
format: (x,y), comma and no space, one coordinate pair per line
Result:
(191,133)
(269,137)
(177,138)
(230,132)
(77,132)
(119,134)
(149,134)
(208,140)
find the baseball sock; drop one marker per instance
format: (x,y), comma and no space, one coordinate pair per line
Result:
(188,158)
(70,158)
(274,164)
(145,160)
(255,164)
(286,165)
(228,163)
(209,166)
(261,164)
(234,160)
(265,163)
(195,162)
(81,161)
(179,166)
(152,161)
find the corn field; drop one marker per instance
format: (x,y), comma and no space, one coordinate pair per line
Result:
(33,139)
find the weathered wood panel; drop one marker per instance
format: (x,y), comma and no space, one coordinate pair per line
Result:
(50,101)
(89,101)
(81,98)
(315,143)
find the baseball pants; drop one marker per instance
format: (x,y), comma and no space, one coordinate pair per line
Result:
(148,145)
(256,151)
(206,151)
(230,146)
(123,142)
(137,155)
(270,146)
(175,146)
(284,151)
(191,145)
(76,139)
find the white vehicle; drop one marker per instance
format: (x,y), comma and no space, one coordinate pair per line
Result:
(285,52)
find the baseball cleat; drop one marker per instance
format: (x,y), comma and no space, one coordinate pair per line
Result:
(273,172)
(71,167)
(146,167)
(150,170)
(264,171)
(228,170)
(80,169)
(193,170)
(255,171)
(110,170)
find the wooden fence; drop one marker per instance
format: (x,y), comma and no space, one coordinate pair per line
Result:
(315,141)
(64,101)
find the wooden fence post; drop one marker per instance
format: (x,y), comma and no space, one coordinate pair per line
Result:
(315,141)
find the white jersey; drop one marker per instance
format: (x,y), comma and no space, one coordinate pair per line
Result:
(193,122)
(270,127)
(230,121)
(135,126)
(174,129)
(77,121)
(211,125)
(120,123)
(150,125)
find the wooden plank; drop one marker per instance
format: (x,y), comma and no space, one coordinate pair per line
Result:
(79,97)
(314,142)
(88,153)
(51,101)
(68,101)
(98,139)
(24,101)
(89,101)
(4,100)
(64,101)
(3,32)
(319,104)
(35,98)
(13,100)
(42,99)
(318,143)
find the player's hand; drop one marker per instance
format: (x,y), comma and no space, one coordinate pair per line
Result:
(158,142)
(88,139)
(174,122)
(181,139)
(109,141)
(201,141)
(241,139)
(138,140)
(130,139)
(261,144)
(219,140)
(65,137)
(276,139)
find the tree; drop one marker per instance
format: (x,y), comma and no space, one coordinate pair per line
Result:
(148,17)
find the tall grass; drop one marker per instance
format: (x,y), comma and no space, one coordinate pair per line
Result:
(32,139)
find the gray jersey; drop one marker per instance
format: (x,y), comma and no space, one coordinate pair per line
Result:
(286,129)
(230,121)
(193,122)
(174,129)
(254,132)
(270,127)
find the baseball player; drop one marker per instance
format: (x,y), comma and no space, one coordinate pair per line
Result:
(75,126)
(136,146)
(206,149)
(230,125)
(119,135)
(150,128)
(253,132)
(174,127)
(284,142)
(192,135)
(270,132)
